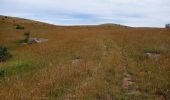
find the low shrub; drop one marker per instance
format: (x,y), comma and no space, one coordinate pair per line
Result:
(19,27)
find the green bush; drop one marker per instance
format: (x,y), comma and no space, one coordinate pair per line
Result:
(4,54)
(19,27)
(2,73)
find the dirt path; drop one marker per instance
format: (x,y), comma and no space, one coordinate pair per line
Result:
(128,84)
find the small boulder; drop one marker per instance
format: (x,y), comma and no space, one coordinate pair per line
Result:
(36,40)
(153,55)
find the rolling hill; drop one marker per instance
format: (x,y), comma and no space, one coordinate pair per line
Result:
(99,62)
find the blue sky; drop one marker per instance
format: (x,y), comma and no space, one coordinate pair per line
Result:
(144,13)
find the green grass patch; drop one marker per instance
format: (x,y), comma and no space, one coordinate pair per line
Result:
(18,67)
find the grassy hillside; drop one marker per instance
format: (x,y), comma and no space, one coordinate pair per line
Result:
(102,62)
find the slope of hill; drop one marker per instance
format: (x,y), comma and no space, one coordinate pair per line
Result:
(84,62)
(9,19)
(115,25)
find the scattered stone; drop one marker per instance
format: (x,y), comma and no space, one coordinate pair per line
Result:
(153,55)
(76,61)
(134,92)
(36,40)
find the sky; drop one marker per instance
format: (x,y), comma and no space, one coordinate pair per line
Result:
(139,13)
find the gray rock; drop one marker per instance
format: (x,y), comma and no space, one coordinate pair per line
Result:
(36,40)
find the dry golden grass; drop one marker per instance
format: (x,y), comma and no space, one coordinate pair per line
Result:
(83,62)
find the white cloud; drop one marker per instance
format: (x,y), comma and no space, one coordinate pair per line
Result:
(129,12)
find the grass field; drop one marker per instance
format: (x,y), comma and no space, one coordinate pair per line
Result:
(84,62)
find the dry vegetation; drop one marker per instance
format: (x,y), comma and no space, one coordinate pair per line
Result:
(84,62)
